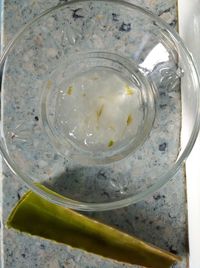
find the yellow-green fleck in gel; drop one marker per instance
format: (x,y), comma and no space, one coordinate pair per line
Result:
(100,111)
(129,90)
(129,120)
(99,17)
(49,84)
(111,143)
(69,90)
(112,127)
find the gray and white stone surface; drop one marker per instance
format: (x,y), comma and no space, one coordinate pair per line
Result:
(160,219)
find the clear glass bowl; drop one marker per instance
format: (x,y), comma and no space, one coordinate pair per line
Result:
(92,104)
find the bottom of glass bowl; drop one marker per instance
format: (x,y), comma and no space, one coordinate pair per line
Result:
(97,107)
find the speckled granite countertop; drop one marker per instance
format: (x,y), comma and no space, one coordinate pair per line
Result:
(160,219)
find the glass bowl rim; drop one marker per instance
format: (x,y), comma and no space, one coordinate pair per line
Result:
(77,205)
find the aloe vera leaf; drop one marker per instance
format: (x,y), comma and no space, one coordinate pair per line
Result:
(37,216)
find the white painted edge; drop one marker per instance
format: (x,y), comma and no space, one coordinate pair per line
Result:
(189,30)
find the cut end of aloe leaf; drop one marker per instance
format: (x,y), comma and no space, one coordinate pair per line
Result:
(37,216)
